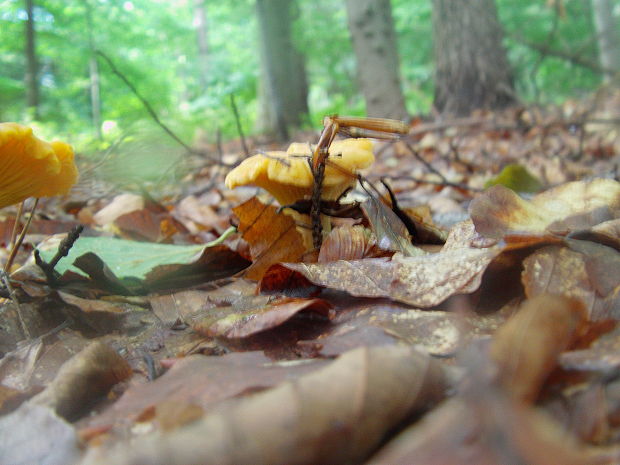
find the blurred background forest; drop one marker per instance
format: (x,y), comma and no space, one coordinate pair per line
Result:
(188,57)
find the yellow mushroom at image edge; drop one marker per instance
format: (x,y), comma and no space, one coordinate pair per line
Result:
(31,167)
(287,175)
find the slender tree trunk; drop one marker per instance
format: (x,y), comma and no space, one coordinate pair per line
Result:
(283,89)
(202,39)
(471,68)
(93,69)
(32,68)
(374,42)
(607,35)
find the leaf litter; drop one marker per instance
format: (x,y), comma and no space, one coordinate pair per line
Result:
(483,331)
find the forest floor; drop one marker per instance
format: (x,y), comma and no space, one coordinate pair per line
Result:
(494,338)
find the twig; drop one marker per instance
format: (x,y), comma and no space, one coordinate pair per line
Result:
(435,183)
(63,251)
(429,167)
(246,151)
(147,105)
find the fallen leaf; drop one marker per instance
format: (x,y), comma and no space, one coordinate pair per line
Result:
(272,236)
(34,434)
(337,414)
(118,265)
(202,381)
(527,346)
(242,321)
(494,430)
(120,205)
(82,380)
(572,206)
(422,281)
(346,243)
(562,271)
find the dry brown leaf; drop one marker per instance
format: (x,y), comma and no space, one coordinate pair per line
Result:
(603,356)
(422,281)
(337,414)
(83,379)
(572,206)
(527,346)
(346,243)
(199,381)
(120,205)
(561,271)
(34,434)
(273,237)
(490,431)
(239,321)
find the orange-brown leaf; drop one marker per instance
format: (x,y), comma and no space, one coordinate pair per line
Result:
(272,236)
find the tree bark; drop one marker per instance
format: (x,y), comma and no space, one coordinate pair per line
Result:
(374,42)
(202,39)
(607,35)
(93,69)
(471,68)
(32,67)
(283,92)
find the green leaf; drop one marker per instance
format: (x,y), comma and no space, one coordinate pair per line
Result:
(130,258)
(517,178)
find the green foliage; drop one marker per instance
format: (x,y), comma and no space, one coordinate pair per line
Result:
(130,258)
(517,178)
(153,43)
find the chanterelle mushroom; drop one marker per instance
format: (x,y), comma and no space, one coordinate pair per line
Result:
(31,167)
(287,175)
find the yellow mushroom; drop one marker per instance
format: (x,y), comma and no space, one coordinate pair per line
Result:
(31,167)
(287,175)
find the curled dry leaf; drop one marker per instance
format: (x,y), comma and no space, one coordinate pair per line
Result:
(527,346)
(569,207)
(337,414)
(272,236)
(83,379)
(346,243)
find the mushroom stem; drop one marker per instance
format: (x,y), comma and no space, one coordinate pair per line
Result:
(18,218)
(17,244)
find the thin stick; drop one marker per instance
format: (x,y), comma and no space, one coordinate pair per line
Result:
(147,105)
(435,183)
(246,151)
(20,239)
(429,167)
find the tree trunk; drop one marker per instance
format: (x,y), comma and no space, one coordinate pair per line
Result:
(200,23)
(93,69)
(374,43)
(31,77)
(607,35)
(471,68)
(283,89)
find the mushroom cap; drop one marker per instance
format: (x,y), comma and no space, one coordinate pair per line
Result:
(31,167)
(287,175)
